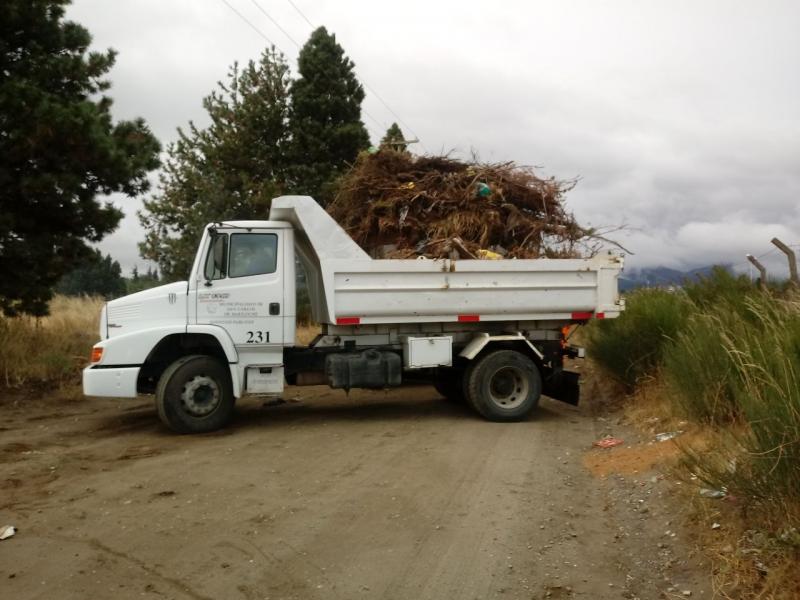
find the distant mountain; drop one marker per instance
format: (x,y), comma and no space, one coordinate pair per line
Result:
(661,277)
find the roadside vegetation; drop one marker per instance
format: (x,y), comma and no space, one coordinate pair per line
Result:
(724,358)
(49,352)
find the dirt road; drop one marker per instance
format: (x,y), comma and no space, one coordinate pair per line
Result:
(393,496)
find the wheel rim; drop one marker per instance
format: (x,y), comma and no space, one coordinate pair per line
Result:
(200,396)
(508,387)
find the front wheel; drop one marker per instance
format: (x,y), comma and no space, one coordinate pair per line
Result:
(195,395)
(504,385)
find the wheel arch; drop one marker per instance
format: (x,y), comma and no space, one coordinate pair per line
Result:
(482,343)
(175,346)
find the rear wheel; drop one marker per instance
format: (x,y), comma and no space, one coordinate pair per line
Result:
(504,385)
(195,395)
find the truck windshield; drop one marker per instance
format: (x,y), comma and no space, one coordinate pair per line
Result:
(253,254)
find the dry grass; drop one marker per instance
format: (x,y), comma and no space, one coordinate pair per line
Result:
(747,561)
(754,550)
(306,333)
(52,350)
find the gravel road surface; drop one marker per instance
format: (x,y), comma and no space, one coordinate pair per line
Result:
(398,495)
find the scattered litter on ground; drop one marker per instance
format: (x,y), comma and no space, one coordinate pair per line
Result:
(668,435)
(7,531)
(715,526)
(709,493)
(608,442)
(397,205)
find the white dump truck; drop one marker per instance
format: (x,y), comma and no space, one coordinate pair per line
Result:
(488,332)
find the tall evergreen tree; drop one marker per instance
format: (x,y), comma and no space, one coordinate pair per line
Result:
(327,132)
(393,136)
(229,170)
(59,150)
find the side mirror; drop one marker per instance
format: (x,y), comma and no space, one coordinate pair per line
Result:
(216,264)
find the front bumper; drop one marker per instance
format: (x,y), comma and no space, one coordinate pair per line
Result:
(110,382)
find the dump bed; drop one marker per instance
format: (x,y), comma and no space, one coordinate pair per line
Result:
(348,287)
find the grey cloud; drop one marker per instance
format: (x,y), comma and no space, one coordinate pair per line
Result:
(681,118)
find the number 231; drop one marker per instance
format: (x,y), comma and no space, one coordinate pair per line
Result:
(258,337)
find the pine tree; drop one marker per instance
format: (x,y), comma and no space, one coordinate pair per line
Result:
(138,281)
(327,132)
(97,275)
(230,170)
(59,151)
(394,135)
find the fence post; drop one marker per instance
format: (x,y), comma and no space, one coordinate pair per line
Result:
(792,260)
(762,281)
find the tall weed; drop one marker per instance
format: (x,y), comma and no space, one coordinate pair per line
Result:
(699,372)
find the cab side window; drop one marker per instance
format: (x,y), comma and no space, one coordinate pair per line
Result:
(217,259)
(253,254)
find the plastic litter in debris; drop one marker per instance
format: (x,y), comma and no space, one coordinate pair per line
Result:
(482,190)
(608,442)
(489,255)
(709,493)
(668,435)
(7,531)
(715,526)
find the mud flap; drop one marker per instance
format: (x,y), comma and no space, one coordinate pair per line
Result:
(563,386)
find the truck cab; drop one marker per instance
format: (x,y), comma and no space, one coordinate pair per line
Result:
(490,333)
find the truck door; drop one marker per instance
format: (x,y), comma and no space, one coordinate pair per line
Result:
(241,286)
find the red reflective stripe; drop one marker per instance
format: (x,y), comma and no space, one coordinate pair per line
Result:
(581,316)
(348,320)
(600,316)
(468,318)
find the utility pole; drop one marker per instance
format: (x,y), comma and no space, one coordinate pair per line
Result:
(792,261)
(762,282)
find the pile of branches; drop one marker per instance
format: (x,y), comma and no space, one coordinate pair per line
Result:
(396,205)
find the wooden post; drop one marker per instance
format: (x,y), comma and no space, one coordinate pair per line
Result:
(762,281)
(792,260)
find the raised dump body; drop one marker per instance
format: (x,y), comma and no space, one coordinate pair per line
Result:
(348,287)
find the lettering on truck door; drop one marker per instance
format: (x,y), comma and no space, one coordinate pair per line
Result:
(242,289)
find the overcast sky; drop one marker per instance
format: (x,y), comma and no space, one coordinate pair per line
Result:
(681,118)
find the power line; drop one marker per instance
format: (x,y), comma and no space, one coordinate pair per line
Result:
(369,87)
(246,20)
(300,12)
(263,35)
(274,22)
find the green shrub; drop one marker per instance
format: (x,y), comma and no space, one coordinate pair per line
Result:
(631,346)
(708,292)
(699,370)
(762,459)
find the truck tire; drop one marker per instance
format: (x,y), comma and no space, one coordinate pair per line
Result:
(450,384)
(504,385)
(195,395)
